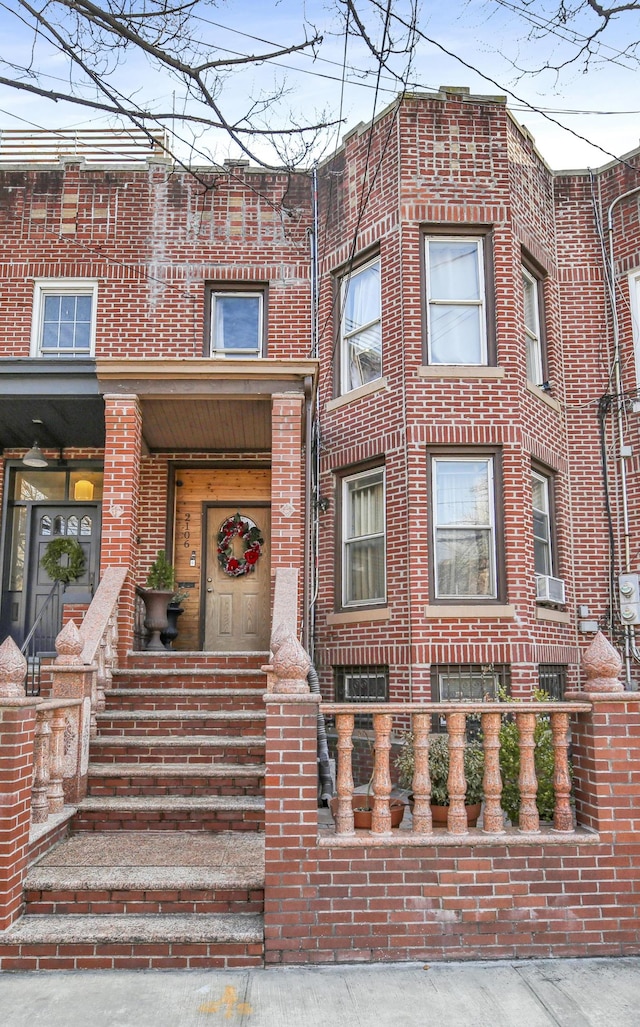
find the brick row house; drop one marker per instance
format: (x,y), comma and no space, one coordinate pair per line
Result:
(412,372)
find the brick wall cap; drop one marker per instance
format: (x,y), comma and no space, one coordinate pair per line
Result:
(289,698)
(29,700)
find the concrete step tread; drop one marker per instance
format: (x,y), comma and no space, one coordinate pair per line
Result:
(171,802)
(245,928)
(99,878)
(177,769)
(182,715)
(175,741)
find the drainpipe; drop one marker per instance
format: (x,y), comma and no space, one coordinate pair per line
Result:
(629,645)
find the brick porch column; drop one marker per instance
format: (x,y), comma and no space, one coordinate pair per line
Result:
(119,547)
(287,482)
(17,732)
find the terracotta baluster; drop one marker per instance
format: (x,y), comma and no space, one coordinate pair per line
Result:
(55,793)
(493,817)
(527,782)
(41,742)
(421,728)
(562,815)
(344,775)
(456,783)
(381,819)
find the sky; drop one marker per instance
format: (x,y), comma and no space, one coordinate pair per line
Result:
(483,44)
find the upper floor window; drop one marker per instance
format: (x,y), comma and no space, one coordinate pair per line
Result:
(64,313)
(363,538)
(464,531)
(543,553)
(237,323)
(360,327)
(532,326)
(456,301)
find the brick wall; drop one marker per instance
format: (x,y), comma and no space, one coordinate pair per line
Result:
(331,899)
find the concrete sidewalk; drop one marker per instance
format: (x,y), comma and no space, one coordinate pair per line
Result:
(536,993)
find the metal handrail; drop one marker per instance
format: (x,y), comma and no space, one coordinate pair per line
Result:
(28,647)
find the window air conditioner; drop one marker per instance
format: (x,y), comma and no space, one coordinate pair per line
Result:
(549,590)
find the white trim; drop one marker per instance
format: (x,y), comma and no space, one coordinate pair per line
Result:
(43,287)
(346,336)
(533,337)
(634,291)
(346,538)
(480,303)
(253,352)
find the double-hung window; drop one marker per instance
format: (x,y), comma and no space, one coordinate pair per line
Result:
(64,312)
(360,327)
(456,302)
(634,293)
(363,538)
(464,530)
(532,327)
(542,546)
(237,323)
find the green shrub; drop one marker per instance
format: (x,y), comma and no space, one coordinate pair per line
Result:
(439,768)
(543,759)
(161,576)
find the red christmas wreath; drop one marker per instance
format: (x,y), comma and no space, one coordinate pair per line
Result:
(252,540)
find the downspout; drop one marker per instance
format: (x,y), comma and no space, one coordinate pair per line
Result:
(310,479)
(629,644)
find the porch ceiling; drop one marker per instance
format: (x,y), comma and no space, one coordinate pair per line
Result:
(56,402)
(186,424)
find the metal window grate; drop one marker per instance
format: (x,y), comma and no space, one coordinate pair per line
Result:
(552,679)
(467,682)
(362,684)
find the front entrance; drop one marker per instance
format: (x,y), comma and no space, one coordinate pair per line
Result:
(236,608)
(81,523)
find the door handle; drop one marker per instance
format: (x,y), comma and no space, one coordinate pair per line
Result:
(209,590)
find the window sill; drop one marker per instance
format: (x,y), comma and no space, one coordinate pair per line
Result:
(558,616)
(459,371)
(365,390)
(472,611)
(535,390)
(359,616)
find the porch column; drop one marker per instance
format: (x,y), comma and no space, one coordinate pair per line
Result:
(119,547)
(287,482)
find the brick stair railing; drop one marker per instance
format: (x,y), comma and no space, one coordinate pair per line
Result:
(164,866)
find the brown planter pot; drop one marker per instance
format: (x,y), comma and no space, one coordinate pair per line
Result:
(362,816)
(156,621)
(439,814)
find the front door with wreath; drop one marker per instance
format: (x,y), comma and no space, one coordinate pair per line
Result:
(65,544)
(237,579)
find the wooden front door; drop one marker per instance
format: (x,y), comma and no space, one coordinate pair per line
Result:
(236,609)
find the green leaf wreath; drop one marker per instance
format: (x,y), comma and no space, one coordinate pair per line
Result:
(56,549)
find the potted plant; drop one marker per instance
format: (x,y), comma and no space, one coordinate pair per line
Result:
(362,805)
(159,588)
(439,774)
(174,610)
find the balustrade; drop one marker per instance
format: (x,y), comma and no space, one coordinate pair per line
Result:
(419,718)
(47,794)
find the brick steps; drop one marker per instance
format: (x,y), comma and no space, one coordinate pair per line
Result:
(164,867)
(178,940)
(170,813)
(144,698)
(156,722)
(179,749)
(175,779)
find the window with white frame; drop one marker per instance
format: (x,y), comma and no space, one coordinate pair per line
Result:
(64,318)
(456,303)
(464,532)
(634,290)
(542,543)
(360,327)
(237,323)
(532,331)
(363,538)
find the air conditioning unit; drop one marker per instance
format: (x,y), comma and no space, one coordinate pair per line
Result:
(549,590)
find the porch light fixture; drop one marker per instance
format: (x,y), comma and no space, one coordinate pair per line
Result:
(83,491)
(34,457)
